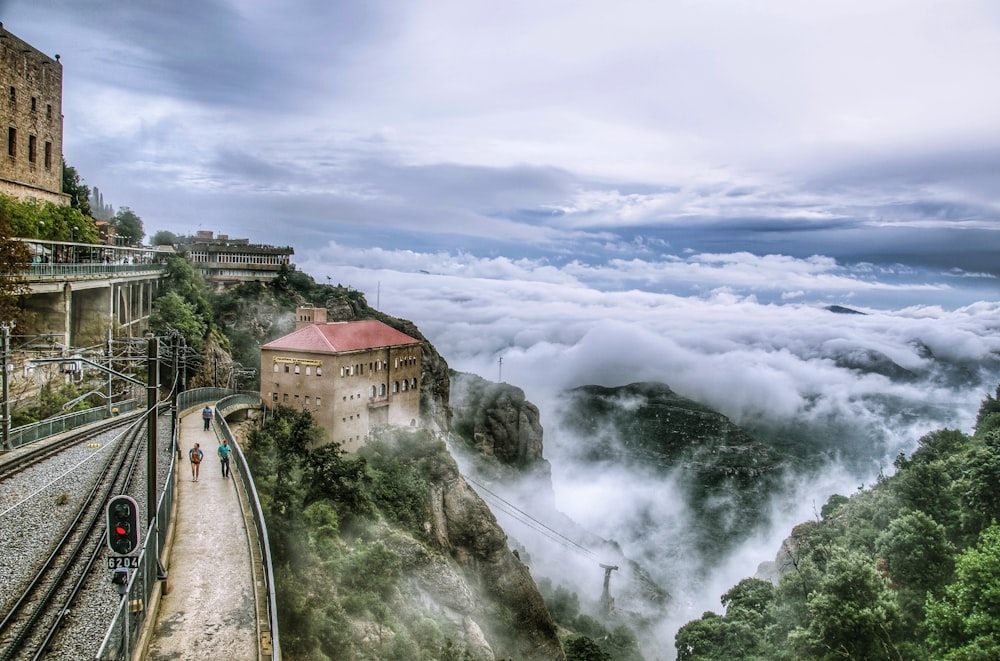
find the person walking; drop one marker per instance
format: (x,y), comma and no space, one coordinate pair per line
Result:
(206,415)
(224,450)
(195,456)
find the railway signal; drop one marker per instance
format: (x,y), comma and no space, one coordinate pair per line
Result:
(123,525)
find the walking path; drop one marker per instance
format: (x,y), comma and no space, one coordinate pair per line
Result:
(208,608)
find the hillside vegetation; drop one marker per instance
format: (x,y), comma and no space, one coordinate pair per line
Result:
(907,569)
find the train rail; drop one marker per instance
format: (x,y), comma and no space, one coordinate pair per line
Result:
(53,537)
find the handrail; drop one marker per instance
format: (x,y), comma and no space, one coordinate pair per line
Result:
(62,423)
(222,406)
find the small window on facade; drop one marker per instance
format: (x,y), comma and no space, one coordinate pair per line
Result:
(284,398)
(274,397)
(296,398)
(286,369)
(405,385)
(413,384)
(13,95)
(381,390)
(34,103)
(307,400)
(319,371)
(309,370)
(32,148)
(12,140)
(296,369)
(317,401)
(395,386)
(48,111)
(276,367)
(48,155)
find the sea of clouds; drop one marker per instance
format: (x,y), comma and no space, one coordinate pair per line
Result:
(749,336)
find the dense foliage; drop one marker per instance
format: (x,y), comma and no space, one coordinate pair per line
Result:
(336,552)
(907,569)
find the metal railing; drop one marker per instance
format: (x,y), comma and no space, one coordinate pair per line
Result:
(62,423)
(120,641)
(123,634)
(222,408)
(43,271)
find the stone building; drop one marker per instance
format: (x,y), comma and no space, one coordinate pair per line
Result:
(354,376)
(31,107)
(226,262)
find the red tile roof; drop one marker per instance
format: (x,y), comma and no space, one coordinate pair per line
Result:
(341,336)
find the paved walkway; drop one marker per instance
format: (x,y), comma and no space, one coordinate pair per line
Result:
(208,611)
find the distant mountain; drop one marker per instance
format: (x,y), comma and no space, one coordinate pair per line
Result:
(839,309)
(728,476)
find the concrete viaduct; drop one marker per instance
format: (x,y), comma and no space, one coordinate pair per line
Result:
(75,303)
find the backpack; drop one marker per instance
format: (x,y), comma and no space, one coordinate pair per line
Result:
(196,456)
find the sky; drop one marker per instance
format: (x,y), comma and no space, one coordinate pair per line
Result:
(633,138)
(560,193)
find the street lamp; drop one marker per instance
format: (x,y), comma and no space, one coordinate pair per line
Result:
(38,227)
(73,233)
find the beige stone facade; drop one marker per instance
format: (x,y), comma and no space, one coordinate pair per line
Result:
(352,376)
(32,122)
(226,262)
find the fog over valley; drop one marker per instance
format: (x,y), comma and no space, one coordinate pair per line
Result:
(839,393)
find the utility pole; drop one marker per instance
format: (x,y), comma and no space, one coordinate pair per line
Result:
(5,328)
(607,602)
(500,371)
(107,349)
(152,395)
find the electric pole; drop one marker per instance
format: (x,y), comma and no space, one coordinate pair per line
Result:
(5,328)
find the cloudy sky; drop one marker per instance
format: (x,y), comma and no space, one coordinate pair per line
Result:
(639,139)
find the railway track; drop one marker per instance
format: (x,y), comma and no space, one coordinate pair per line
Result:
(53,504)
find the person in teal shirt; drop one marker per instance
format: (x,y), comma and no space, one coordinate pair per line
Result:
(224,451)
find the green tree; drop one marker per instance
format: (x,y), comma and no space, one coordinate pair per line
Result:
(13,256)
(79,192)
(852,613)
(171,312)
(163,238)
(129,225)
(965,623)
(582,648)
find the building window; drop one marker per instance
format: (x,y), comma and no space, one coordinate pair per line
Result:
(13,95)
(371,391)
(34,103)
(395,386)
(274,397)
(32,148)
(319,371)
(286,369)
(308,370)
(284,398)
(413,385)
(12,141)
(381,390)
(276,367)
(307,400)
(48,111)
(405,385)
(48,155)
(317,401)
(297,369)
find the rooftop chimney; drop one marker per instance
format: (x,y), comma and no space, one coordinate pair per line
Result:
(306,316)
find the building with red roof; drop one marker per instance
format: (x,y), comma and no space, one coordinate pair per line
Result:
(354,376)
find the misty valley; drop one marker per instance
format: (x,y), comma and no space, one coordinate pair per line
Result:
(630,522)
